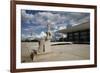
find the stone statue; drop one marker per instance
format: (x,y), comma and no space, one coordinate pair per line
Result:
(44,43)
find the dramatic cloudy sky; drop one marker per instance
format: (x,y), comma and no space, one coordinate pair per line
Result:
(36,21)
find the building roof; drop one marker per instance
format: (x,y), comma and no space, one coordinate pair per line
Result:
(82,26)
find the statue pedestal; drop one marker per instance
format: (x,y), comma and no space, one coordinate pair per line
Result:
(41,48)
(47,46)
(44,46)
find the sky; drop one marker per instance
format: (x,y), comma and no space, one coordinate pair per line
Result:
(34,22)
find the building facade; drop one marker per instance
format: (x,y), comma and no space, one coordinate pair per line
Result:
(82,36)
(78,33)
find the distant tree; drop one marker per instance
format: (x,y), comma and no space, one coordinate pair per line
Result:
(27,40)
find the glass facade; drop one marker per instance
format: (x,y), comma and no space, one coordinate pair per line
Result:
(79,36)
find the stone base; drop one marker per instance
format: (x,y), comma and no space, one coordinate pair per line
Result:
(47,46)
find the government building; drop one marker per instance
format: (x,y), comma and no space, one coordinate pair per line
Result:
(79,33)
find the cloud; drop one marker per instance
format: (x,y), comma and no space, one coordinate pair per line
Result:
(62,27)
(26,16)
(57,18)
(41,35)
(38,21)
(44,17)
(25,36)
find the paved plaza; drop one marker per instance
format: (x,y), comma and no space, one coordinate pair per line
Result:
(63,52)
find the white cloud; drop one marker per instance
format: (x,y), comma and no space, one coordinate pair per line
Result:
(57,21)
(54,18)
(25,36)
(43,17)
(62,27)
(41,35)
(26,29)
(26,16)
(76,14)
